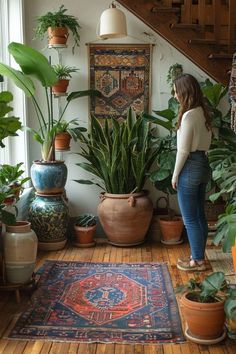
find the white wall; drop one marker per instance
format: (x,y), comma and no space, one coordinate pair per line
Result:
(86,198)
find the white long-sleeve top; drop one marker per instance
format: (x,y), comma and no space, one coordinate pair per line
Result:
(191,136)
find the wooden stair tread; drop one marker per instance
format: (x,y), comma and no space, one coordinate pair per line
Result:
(162,9)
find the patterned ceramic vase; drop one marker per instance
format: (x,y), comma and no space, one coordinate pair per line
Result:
(49,216)
(20,251)
(49,177)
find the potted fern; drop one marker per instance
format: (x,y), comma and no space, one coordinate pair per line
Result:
(84,230)
(58,24)
(63,73)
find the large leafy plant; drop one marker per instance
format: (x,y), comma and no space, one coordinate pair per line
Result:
(162,175)
(8,124)
(34,65)
(119,154)
(9,175)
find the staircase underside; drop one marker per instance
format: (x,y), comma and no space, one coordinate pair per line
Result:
(202,30)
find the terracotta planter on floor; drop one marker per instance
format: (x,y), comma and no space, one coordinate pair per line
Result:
(84,236)
(171,230)
(205,321)
(125,218)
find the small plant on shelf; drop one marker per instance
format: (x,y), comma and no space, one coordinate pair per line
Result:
(63,71)
(58,19)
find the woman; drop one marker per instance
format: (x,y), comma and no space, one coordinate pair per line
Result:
(192,171)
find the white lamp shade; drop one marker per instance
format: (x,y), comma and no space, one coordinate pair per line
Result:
(112,24)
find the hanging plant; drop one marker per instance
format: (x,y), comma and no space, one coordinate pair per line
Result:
(174,71)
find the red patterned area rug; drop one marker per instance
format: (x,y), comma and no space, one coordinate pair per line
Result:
(102,302)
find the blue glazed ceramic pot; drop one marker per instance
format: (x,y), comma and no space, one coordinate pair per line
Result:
(49,177)
(49,216)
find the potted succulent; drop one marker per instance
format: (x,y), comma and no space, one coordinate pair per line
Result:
(63,73)
(84,230)
(203,304)
(171,226)
(58,24)
(119,155)
(67,130)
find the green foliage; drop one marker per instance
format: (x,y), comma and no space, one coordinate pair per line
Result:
(226,228)
(8,124)
(64,71)
(34,65)
(119,154)
(213,94)
(72,127)
(174,71)
(211,289)
(12,175)
(58,19)
(161,177)
(85,220)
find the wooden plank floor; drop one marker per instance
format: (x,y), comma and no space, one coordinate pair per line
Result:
(103,252)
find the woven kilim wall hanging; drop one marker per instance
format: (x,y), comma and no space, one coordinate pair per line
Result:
(121,72)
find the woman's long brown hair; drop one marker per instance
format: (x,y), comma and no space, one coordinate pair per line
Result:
(190,96)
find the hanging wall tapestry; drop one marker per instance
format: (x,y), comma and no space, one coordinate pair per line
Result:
(121,72)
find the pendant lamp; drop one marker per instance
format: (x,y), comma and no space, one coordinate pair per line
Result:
(112,23)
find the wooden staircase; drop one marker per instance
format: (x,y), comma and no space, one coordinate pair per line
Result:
(203,30)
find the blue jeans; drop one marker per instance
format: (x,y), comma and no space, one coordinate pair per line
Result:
(191,190)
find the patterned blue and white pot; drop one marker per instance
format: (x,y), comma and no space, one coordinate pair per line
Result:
(49,177)
(49,216)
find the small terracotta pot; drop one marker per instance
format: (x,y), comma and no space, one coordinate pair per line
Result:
(60,86)
(84,236)
(57,36)
(171,230)
(204,320)
(62,141)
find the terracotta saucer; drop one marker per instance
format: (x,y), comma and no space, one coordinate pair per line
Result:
(204,341)
(172,242)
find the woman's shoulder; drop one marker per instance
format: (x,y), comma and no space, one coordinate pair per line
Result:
(194,112)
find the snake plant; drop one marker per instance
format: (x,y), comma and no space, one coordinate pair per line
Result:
(118,154)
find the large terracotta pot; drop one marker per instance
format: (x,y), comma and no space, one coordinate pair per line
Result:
(57,36)
(205,321)
(20,250)
(125,218)
(49,177)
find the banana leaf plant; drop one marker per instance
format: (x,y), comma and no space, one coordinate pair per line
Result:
(35,66)
(118,154)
